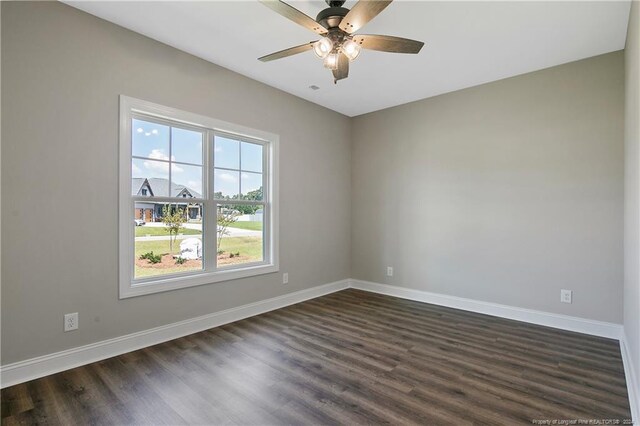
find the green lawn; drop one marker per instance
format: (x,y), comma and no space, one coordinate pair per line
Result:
(250,249)
(247,246)
(252,226)
(143,231)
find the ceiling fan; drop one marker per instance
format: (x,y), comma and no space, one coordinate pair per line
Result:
(337,25)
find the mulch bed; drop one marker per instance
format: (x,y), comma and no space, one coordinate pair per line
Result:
(169,262)
(226,259)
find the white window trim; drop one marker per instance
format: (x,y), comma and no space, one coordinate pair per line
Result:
(130,288)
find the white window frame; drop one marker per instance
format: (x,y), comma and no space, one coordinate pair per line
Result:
(130,287)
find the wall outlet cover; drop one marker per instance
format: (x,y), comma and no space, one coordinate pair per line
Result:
(71,322)
(566,296)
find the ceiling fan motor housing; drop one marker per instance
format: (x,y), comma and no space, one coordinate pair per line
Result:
(331,16)
(335,3)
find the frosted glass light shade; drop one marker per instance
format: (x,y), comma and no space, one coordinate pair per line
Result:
(322,47)
(331,61)
(351,49)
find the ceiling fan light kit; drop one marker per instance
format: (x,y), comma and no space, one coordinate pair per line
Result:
(337,25)
(322,47)
(331,61)
(351,49)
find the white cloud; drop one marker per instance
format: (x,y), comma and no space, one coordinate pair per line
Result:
(135,170)
(228,177)
(158,154)
(218,149)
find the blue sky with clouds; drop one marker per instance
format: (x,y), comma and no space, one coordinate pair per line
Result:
(244,159)
(153,142)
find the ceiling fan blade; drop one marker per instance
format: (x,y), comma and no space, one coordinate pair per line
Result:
(386,43)
(295,15)
(343,68)
(361,13)
(287,52)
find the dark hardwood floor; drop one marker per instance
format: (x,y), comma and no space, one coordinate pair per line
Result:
(351,357)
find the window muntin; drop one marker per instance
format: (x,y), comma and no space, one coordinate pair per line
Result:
(174,160)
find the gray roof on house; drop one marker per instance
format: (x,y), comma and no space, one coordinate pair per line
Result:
(160,187)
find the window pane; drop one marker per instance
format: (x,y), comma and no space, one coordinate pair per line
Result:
(251,186)
(226,184)
(152,176)
(251,155)
(240,235)
(149,140)
(187,181)
(161,252)
(226,153)
(186,146)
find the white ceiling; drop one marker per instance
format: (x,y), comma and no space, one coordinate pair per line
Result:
(467,43)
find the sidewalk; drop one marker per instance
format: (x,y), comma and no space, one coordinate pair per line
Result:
(230,232)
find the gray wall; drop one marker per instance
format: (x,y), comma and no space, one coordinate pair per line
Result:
(505,192)
(0,177)
(62,72)
(632,189)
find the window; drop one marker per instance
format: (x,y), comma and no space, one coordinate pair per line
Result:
(202,194)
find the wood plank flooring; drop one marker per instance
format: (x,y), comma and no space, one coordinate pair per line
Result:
(351,357)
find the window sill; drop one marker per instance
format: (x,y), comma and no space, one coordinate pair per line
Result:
(177,282)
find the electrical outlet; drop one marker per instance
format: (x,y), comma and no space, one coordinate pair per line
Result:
(565,296)
(389,271)
(285,278)
(71,322)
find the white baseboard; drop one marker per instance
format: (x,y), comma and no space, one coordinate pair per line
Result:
(564,322)
(23,371)
(633,386)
